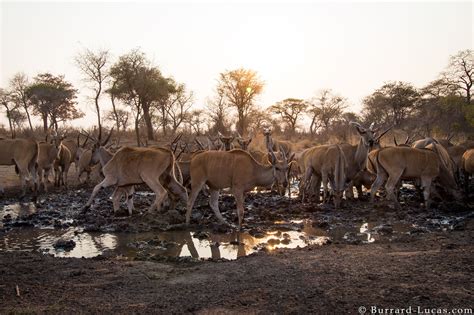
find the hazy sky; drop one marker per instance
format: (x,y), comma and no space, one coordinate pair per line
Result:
(297,48)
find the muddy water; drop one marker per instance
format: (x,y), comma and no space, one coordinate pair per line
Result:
(270,223)
(201,244)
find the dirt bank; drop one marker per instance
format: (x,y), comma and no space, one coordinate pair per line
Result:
(435,270)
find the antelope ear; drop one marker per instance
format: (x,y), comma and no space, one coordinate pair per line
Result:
(250,140)
(292,157)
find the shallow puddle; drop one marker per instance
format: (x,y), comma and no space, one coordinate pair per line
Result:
(187,243)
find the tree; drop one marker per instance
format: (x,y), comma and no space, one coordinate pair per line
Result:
(53,98)
(392,103)
(217,111)
(240,88)
(120,117)
(460,72)
(259,118)
(196,119)
(324,109)
(290,110)
(441,110)
(93,65)
(142,86)
(113,115)
(18,86)
(179,104)
(10,108)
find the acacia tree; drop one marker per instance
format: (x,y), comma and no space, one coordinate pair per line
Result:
(394,102)
(460,72)
(259,118)
(10,108)
(440,110)
(217,111)
(141,86)
(324,109)
(240,88)
(290,110)
(120,117)
(18,86)
(196,119)
(179,104)
(94,65)
(53,99)
(113,115)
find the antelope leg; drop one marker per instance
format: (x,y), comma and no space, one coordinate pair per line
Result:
(376,185)
(426,184)
(391,185)
(192,198)
(239,200)
(214,203)
(105,183)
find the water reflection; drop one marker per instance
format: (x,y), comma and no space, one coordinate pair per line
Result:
(190,243)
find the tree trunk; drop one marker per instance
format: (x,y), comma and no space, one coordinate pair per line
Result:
(117,121)
(311,127)
(148,124)
(10,123)
(97,108)
(137,130)
(28,116)
(45,122)
(164,120)
(241,123)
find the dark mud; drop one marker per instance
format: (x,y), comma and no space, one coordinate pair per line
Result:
(294,257)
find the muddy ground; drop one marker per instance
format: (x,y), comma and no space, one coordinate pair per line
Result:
(371,256)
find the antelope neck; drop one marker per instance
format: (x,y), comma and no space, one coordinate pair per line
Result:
(361,155)
(265,175)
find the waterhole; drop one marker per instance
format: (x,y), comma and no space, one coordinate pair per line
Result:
(202,244)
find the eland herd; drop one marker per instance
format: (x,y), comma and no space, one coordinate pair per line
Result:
(211,164)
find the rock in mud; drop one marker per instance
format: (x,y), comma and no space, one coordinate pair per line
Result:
(66,245)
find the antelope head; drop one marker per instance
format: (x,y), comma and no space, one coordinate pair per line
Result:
(280,168)
(226,141)
(243,143)
(97,144)
(267,131)
(216,143)
(370,136)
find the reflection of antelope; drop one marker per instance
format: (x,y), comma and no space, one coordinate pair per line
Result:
(235,169)
(133,166)
(23,153)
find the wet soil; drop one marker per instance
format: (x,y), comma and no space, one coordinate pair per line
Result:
(360,255)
